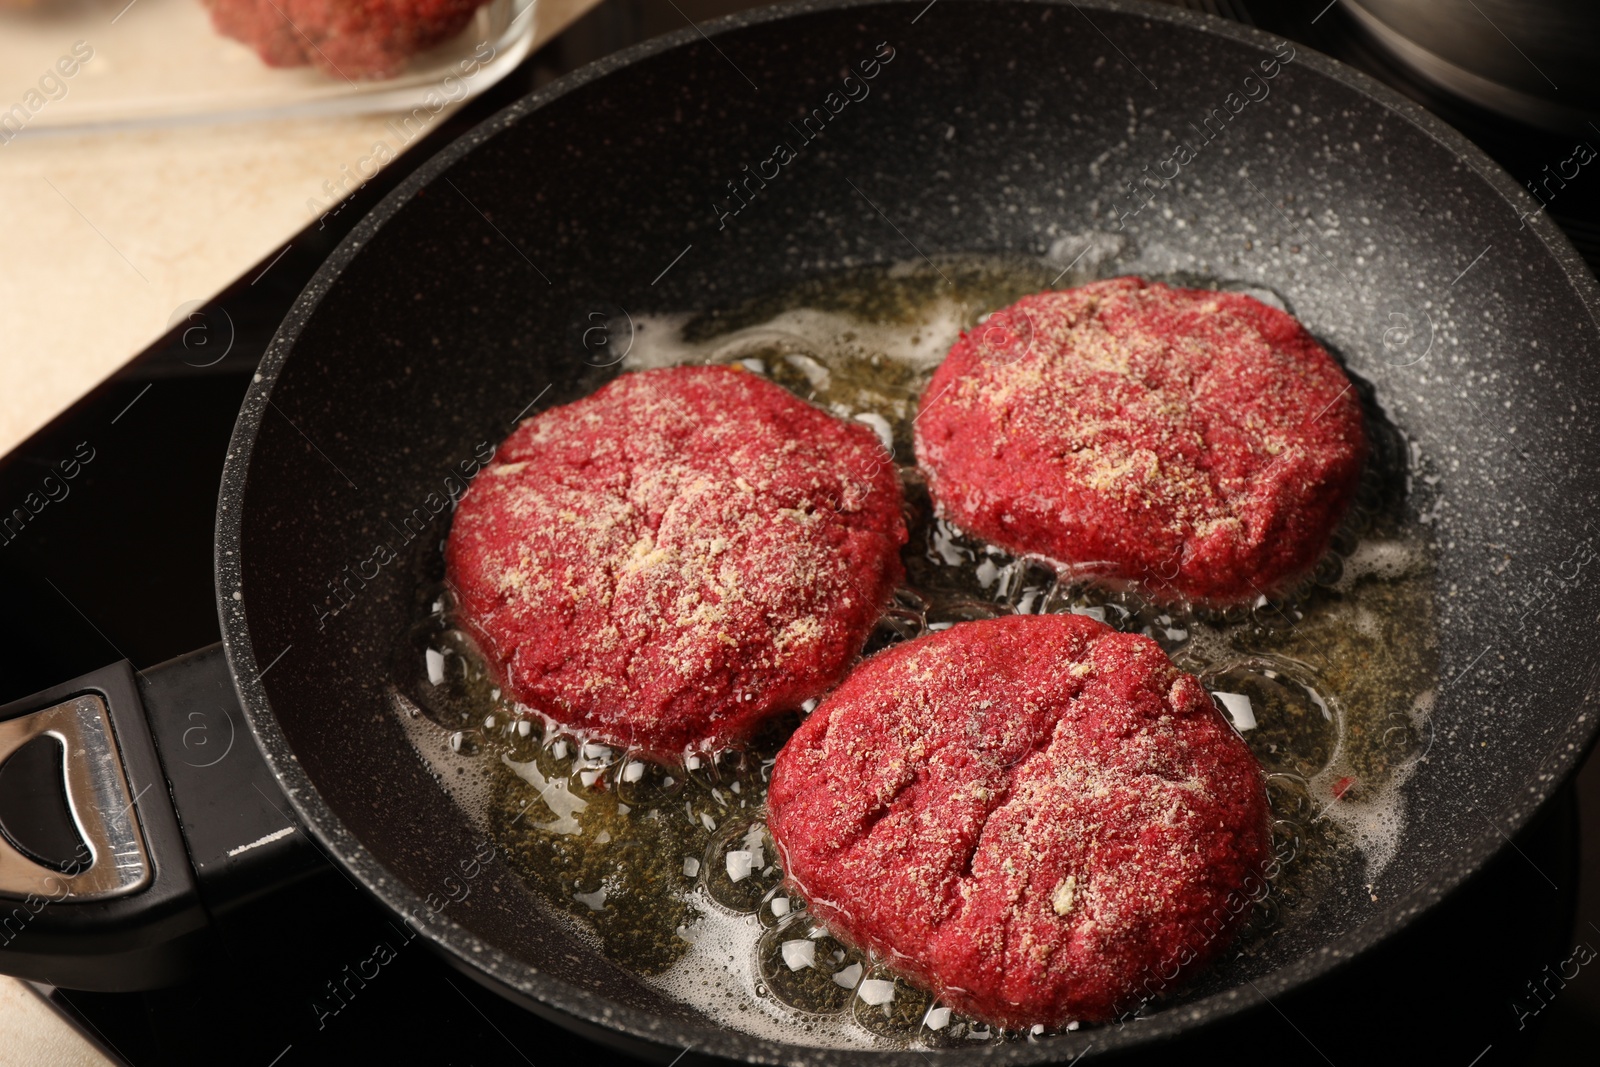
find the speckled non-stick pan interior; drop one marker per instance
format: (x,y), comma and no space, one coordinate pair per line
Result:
(1001,128)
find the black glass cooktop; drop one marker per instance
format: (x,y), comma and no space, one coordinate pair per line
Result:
(117,564)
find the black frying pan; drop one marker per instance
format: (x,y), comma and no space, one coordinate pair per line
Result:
(997,128)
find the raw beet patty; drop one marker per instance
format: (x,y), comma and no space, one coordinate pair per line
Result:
(1038,817)
(676,557)
(347,38)
(1199,442)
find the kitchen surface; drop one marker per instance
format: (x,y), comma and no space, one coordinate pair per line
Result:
(161,219)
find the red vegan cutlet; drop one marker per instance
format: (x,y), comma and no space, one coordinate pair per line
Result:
(1199,442)
(1037,817)
(678,556)
(347,38)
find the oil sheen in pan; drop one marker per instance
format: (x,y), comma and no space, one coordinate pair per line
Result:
(670,872)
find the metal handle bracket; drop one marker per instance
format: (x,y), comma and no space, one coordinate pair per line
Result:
(112,860)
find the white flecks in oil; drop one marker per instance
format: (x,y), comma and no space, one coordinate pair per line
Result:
(880,426)
(715,975)
(553,795)
(1383,560)
(801,952)
(818,336)
(815,372)
(876,991)
(1237,705)
(740,862)
(1373,813)
(595,901)
(729,952)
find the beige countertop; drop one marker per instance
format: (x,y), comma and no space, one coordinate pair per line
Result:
(105,235)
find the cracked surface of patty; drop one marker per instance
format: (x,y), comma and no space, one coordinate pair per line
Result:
(1030,815)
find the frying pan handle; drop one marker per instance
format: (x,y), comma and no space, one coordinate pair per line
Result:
(135,813)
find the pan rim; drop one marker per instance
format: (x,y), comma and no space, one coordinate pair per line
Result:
(551,996)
